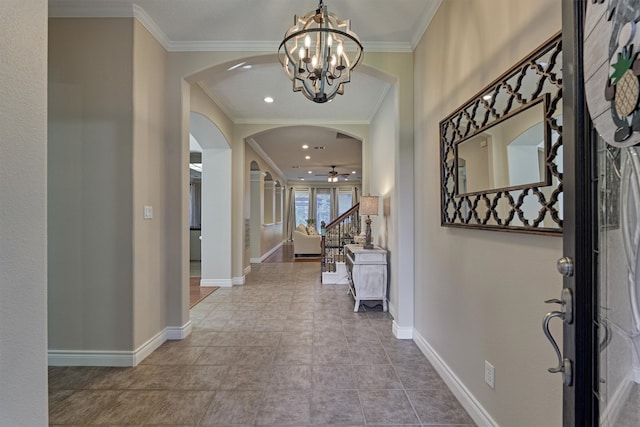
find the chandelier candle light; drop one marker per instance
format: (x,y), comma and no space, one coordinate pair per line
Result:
(368,206)
(314,54)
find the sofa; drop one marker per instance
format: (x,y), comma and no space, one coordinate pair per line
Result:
(306,242)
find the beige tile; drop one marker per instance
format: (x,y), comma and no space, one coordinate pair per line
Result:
(156,377)
(282,350)
(132,407)
(174,355)
(82,407)
(203,377)
(232,407)
(185,407)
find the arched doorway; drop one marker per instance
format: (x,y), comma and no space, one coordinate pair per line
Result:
(215,202)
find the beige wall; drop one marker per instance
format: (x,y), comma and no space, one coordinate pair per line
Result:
(149,241)
(23,221)
(107,276)
(90,184)
(270,235)
(480,294)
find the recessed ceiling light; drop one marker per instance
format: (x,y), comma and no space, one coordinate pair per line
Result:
(486,97)
(310,172)
(307,157)
(353,172)
(246,67)
(305,146)
(268,100)
(301,179)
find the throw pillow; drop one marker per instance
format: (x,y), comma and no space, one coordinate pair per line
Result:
(311,230)
(301,228)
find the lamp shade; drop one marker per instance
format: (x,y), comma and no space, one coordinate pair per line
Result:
(369,205)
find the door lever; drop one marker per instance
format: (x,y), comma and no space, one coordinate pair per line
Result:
(566,305)
(566,314)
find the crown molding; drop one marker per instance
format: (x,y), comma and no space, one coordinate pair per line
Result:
(125,9)
(108,9)
(223,46)
(141,15)
(396,47)
(269,46)
(426,20)
(216,101)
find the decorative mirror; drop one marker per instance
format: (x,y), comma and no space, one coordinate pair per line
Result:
(501,152)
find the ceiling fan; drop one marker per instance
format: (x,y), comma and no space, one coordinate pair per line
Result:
(333,174)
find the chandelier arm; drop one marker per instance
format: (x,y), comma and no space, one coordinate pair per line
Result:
(321,30)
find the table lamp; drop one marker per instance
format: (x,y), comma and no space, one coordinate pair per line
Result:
(368,206)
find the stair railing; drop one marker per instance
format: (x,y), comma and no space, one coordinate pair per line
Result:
(336,235)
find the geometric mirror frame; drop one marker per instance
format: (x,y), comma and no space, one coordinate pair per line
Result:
(501,151)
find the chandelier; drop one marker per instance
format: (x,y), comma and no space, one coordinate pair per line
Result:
(314,54)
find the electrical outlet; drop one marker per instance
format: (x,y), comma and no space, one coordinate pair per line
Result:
(489,374)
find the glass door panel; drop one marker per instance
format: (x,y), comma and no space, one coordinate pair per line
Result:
(618,316)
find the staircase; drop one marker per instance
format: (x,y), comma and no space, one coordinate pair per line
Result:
(338,233)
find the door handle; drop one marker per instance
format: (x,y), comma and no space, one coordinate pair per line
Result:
(566,314)
(566,305)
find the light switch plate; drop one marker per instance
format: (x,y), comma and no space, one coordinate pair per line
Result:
(148,212)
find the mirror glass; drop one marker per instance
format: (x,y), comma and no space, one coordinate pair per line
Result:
(501,151)
(507,154)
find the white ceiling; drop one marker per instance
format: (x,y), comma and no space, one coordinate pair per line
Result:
(258,26)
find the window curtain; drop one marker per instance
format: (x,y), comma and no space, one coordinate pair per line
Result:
(312,202)
(291,217)
(334,203)
(195,208)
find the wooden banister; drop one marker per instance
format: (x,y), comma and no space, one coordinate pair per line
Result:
(342,217)
(336,234)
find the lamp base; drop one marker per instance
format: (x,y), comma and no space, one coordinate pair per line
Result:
(368,244)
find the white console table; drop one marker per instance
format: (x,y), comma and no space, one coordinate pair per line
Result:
(367,273)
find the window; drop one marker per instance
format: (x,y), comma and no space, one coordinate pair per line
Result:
(345,201)
(323,206)
(302,207)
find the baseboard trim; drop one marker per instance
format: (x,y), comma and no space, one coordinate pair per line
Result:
(402,332)
(117,358)
(179,332)
(149,347)
(222,283)
(266,255)
(91,358)
(460,391)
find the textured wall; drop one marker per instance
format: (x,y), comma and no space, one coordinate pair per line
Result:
(23,208)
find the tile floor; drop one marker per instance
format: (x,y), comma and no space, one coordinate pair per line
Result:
(282,350)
